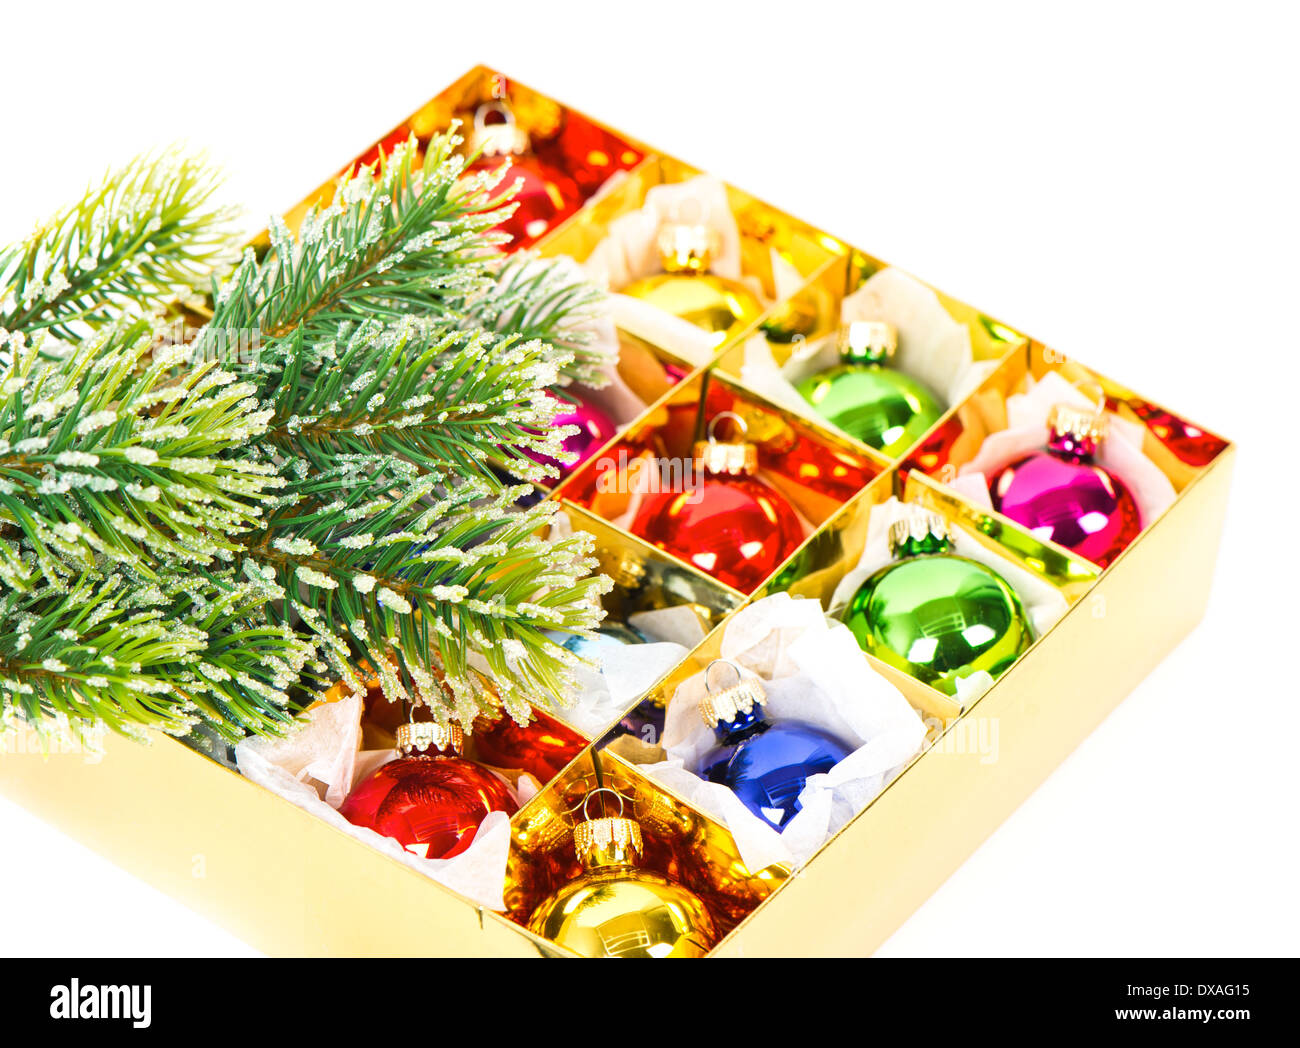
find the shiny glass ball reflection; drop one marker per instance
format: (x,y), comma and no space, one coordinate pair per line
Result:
(1076,504)
(609,636)
(940,618)
(432,806)
(623,910)
(768,767)
(595,429)
(884,408)
(736,529)
(546,196)
(708,301)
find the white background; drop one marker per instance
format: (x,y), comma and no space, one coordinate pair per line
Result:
(1120,181)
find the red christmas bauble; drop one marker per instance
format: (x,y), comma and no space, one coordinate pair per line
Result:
(734,528)
(546,195)
(542,747)
(432,806)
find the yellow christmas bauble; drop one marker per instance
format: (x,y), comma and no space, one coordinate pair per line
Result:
(688,290)
(617,909)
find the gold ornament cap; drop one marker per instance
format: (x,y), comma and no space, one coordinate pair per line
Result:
(610,840)
(428,735)
(503,138)
(686,247)
(918,530)
(867,341)
(727,704)
(607,841)
(727,458)
(1082,425)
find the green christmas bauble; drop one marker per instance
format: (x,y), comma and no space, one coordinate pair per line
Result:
(938,616)
(884,408)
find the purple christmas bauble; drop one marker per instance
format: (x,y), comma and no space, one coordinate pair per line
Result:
(595,428)
(1073,502)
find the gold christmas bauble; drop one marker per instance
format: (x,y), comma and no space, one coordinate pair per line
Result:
(615,908)
(688,290)
(705,300)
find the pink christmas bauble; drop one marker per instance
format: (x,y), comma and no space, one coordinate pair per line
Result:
(1073,502)
(595,429)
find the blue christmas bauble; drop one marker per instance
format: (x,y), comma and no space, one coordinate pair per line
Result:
(765,764)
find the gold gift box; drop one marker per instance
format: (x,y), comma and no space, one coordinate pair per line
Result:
(289,883)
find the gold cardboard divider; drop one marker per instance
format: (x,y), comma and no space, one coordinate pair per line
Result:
(661,580)
(647,579)
(1069,573)
(1120,399)
(984,413)
(991,339)
(834,549)
(830,552)
(765,231)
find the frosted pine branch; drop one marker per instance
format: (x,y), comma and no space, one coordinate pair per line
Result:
(149,234)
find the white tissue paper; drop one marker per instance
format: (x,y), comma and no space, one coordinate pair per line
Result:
(812,670)
(629,252)
(626,672)
(1043,602)
(1026,432)
(316,767)
(932,346)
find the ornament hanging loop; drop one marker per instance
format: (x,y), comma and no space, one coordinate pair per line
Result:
(495,105)
(607,839)
(708,687)
(586,815)
(741,425)
(1086,385)
(503,138)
